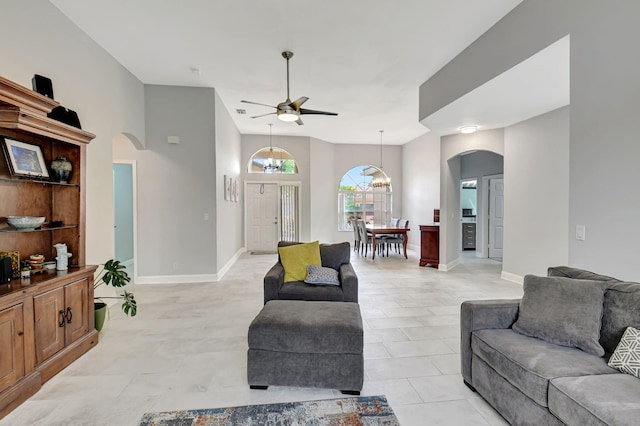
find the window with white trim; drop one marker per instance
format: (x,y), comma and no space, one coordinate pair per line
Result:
(358,198)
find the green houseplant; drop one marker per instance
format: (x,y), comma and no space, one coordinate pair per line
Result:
(113,273)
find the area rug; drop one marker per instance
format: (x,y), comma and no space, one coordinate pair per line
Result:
(356,411)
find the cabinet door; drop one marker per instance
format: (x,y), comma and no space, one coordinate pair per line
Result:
(11,346)
(76,297)
(49,314)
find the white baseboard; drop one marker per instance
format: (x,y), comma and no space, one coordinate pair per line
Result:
(518,279)
(449,266)
(190,279)
(176,279)
(230,263)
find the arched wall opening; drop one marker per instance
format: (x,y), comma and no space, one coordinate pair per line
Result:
(453,149)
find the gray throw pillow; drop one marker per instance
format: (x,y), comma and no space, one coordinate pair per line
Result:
(563,311)
(321,275)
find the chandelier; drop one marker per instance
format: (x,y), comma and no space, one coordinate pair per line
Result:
(271,165)
(381,180)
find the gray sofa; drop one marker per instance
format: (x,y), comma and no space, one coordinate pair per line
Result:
(336,256)
(542,359)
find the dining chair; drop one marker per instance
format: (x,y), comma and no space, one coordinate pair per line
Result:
(356,235)
(365,238)
(397,239)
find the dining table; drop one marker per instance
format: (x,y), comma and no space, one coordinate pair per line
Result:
(378,230)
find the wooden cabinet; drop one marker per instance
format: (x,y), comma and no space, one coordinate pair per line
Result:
(429,245)
(46,321)
(12,344)
(61,317)
(468,236)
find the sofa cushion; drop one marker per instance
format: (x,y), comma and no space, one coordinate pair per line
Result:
(620,311)
(299,290)
(626,357)
(563,311)
(335,255)
(529,363)
(295,258)
(575,273)
(607,399)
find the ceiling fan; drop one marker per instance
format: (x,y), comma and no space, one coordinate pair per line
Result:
(288,110)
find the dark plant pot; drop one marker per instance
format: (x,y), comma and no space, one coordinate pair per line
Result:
(100,314)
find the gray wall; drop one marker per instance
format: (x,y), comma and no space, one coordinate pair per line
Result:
(109,100)
(537,178)
(481,163)
(177,184)
(604,111)
(421,182)
(229,215)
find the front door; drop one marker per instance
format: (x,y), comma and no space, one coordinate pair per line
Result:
(496,218)
(262,217)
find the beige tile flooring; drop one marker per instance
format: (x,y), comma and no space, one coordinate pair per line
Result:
(187,348)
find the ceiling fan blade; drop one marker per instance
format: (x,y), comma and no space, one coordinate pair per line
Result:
(299,122)
(298,102)
(262,115)
(312,111)
(257,103)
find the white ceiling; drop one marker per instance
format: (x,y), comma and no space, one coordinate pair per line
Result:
(363,59)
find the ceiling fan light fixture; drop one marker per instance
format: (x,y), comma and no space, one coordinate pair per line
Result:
(468,129)
(288,116)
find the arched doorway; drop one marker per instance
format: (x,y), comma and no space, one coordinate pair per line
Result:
(124,148)
(477,148)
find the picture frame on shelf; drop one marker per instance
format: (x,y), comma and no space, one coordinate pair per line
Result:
(24,159)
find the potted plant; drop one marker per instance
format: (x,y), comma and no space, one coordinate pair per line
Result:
(113,273)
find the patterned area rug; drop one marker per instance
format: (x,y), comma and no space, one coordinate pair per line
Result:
(360,411)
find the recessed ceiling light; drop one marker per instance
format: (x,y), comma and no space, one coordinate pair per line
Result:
(468,129)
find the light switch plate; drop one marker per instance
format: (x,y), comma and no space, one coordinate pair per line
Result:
(173,139)
(581,232)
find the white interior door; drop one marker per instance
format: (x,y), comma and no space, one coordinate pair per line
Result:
(496,217)
(262,216)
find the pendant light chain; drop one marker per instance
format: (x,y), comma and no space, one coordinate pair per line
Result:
(381,131)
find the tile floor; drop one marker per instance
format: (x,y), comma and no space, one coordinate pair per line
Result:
(187,348)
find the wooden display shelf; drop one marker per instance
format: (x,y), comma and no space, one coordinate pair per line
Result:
(35,344)
(11,230)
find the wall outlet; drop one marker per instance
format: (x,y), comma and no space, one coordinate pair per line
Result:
(581,232)
(173,139)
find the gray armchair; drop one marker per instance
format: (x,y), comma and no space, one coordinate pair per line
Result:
(336,256)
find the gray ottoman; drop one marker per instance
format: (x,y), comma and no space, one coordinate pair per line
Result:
(301,343)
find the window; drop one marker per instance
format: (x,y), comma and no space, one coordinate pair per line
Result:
(275,160)
(359,199)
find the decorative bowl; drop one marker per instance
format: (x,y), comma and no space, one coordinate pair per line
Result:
(25,223)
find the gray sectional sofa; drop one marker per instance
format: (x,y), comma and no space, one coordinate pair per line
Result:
(542,359)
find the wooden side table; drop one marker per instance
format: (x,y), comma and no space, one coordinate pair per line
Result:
(429,245)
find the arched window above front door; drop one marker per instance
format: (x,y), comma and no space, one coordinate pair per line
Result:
(272,160)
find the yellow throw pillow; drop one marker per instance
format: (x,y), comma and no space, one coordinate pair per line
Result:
(295,259)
